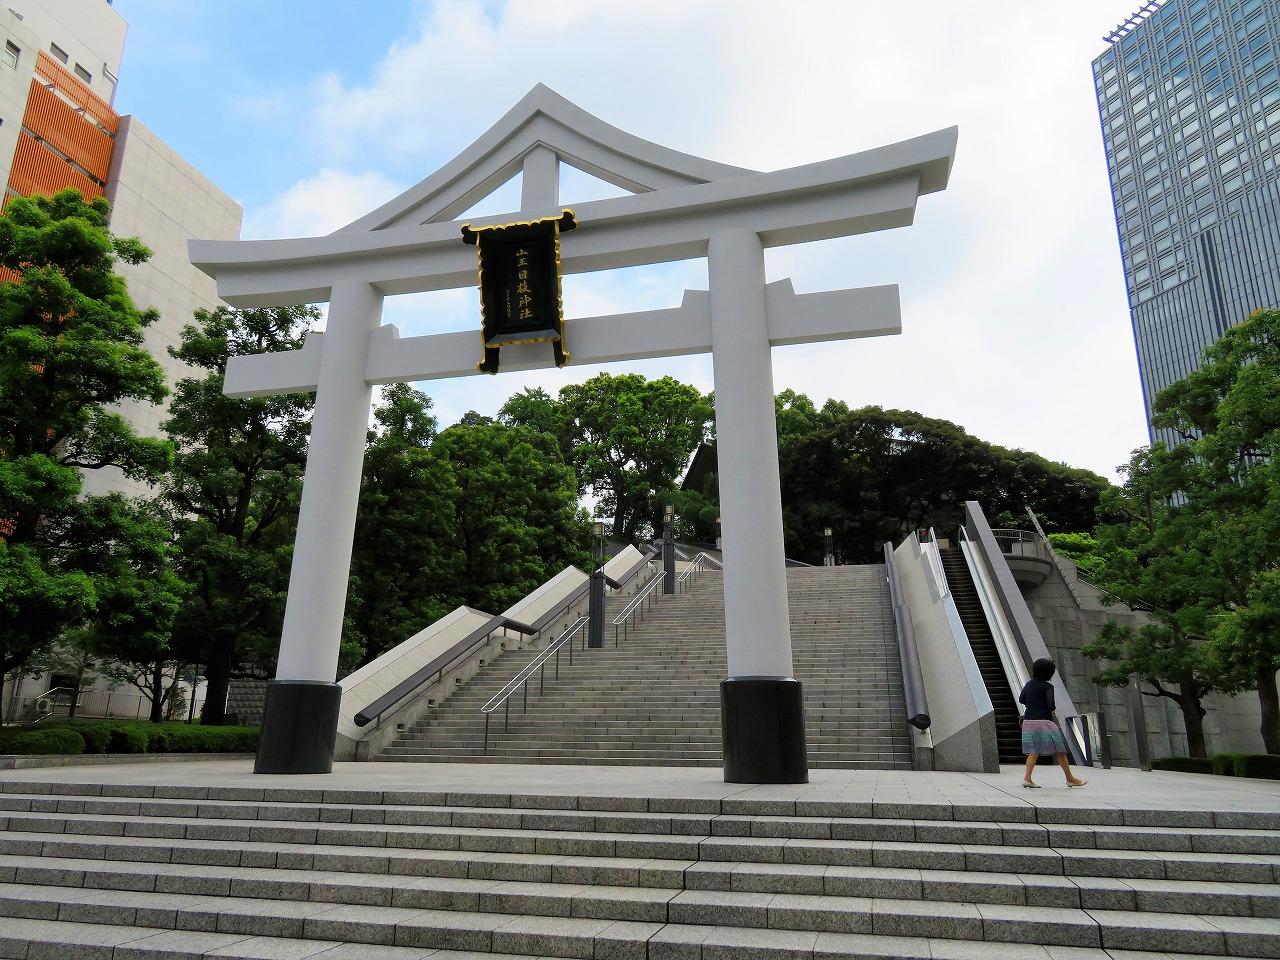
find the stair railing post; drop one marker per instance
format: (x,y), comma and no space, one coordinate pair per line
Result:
(669,549)
(485,752)
(595,603)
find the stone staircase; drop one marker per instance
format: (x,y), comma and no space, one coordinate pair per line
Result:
(654,698)
(135,871)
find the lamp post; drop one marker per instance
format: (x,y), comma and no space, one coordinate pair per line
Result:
(669,549)
(829,554)
(719,540)
(595,605)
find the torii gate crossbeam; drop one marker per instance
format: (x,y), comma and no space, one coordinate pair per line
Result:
(692,207)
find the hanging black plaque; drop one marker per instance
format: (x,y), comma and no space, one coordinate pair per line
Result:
(520,285)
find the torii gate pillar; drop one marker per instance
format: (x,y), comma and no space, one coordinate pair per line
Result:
(300,715)
(761,709)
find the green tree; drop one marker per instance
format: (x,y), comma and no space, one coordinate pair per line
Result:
(1228,413)
(515,511)
(1150,561)
(71,346)
(235,488)
(537,410)
(874,475)
(630,439)
(1081,549)
(138,596)
(405,570)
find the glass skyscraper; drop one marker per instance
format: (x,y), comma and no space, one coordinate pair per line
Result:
(1189,101)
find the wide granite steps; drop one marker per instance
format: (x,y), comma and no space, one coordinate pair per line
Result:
(565,922)
(627,882)
(121,872)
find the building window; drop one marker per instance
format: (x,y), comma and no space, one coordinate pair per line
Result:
(11,53)
(58,52)
(84,74)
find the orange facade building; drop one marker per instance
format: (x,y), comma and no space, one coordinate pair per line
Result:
(67,138)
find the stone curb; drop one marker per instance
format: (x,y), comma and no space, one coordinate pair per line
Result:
(24,761)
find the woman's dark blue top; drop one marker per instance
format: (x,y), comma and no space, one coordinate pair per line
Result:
(1037,696)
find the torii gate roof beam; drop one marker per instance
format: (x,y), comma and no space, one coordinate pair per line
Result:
(873,190)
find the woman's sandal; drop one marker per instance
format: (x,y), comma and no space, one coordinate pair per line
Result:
(1028,785)
(1079,784)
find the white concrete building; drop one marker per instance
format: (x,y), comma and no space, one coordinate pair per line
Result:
(59,64)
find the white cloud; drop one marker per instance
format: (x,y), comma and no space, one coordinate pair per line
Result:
(319,204)
(1014,314)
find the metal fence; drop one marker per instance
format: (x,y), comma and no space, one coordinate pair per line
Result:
(118,703)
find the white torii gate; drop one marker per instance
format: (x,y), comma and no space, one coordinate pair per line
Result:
(682,207)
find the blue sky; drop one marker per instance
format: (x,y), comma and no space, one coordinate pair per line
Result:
(1014,316)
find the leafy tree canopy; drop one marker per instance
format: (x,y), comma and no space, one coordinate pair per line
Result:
(1081,549)
(1227,477)
(1150,562)
(71,346)
(627,438)
(874,475)
(234,491)
(480,515)
(515,506)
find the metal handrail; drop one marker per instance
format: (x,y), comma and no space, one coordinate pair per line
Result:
(636,609)
(1013,534)
(435,670)
(1012,662)
(503,696)
(917,702)
(696,566)
(1057,560)
(935,565)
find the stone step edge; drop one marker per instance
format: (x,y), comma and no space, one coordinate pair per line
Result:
(621,940)
(1013,812)
(673,876)
(285,813)
(1118,865)
(637,827)
(417,926)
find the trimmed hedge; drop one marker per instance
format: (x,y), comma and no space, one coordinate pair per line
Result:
(1224,764)
(1183,764)
(96,738)
(1260,766)
(1264,766)
(52,740)
(127,736)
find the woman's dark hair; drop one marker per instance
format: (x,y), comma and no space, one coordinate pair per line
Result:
(1043,669)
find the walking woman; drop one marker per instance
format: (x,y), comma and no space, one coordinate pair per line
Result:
(1040,731)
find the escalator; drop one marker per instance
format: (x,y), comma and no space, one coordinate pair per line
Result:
(965,595)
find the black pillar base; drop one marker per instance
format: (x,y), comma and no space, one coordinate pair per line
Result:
(762,727)
(299,727)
